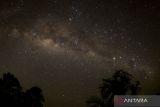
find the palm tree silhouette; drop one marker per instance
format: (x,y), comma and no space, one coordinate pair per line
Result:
(119,84)
(95,101)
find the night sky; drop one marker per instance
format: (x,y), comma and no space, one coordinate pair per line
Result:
(66,47)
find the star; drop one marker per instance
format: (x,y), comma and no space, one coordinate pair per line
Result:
(114,58)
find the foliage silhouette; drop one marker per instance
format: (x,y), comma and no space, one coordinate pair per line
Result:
(121,83)
(12,95)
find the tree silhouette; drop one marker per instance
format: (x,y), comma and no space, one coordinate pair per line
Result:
(12,95)
(34,97)
(121,83)
(95,101)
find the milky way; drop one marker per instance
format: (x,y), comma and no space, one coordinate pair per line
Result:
(67,47)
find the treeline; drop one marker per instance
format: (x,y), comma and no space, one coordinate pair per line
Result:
(12,94)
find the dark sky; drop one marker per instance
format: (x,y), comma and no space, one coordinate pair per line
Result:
(67,46)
